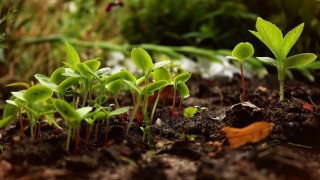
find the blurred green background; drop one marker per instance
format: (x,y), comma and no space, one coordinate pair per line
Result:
(32,32)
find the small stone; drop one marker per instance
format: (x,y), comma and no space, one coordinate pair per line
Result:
(158,122)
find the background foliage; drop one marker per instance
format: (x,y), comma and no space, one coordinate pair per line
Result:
(31,32)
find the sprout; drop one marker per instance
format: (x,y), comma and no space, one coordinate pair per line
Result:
(241,52)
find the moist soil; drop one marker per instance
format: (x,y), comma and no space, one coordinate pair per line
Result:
(291,151)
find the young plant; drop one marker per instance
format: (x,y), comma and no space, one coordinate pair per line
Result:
(241,52)
(73,117)
(272,37)
(179,84)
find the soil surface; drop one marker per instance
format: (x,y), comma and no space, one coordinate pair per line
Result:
(291,151)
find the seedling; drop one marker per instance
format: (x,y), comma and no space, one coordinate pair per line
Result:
(241,52)
(189,112)
(201,110)
(272,37)
(179,84)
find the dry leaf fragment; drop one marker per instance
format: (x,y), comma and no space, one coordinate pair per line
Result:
(252,133)
(307,106)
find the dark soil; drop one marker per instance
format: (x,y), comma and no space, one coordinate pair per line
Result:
(291,151)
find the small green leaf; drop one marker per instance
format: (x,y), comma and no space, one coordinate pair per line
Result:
(162,74)
(101,99)
(73,57)
(66,111)
(189,112)
(242,51)
(44,80)
(299,60)
(270,35)
(268,60)
(100,115)
(5,121)
(90,121)
(19,84)
(103,72)
(57,76)
(83,111)
(85,70)
(37,93)
(19,95)
(152,87)
(115,86)
(183,90)
(119,111)
(132,85)
(142,60)
(67,83)
(160,64)
(183,77)
(93,64)
(123,74)
(290,39)
(70,73)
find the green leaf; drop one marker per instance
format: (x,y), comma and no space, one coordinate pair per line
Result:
(37,93)
(290,39)
(66,111)
(183,77)
(132,85)
(103,72)
(70,73)
(152,87)
(119,111)
(115,86)
(83,111)
(73,57)
(44,80)
(270,35)
(183,90)
(101,99)
(160,64)
(299,60)
(5,121)
(90,121)
(85,70)
(19,95)
(269,60)
(93,64)
(19,84)
(142,60)
(67,83)
(189,112)
(242,51)
(100,115)
(162,74)
(57,76)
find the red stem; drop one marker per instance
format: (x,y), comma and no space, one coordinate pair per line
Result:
(244,94)
(173,103)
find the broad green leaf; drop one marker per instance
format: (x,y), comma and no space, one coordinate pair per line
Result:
(83,111)
(141,80)
(142,60)
(115,86)
(44,80)
(90,121)
(67,83)
(152,87)
(73,57)
(183,90)
(66,111)
(119,111)
(37,93)
(290,39)
(160,64)
(183,77)
(70,73)
(270,35)
(51,120)
(299,60)
(57,76)
(93,64)
(10,111)
(189,112)
(242,51)
(269,60)
(100,115)
(162,74)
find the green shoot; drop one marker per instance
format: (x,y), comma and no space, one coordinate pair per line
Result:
(241,52)
(272,37)
(179,79)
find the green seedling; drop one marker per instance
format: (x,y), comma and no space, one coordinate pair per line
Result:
(186,137)
(201,110)
(242,52)
(179,84)
(189,112)
(33,102)
(144,132)
(272,37)
(73,117)
(158,75)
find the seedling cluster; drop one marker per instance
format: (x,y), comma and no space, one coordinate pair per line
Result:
(79,92)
